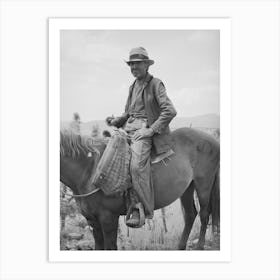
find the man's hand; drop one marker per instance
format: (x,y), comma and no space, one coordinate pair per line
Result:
(143,133)
(112,121)
(109,120)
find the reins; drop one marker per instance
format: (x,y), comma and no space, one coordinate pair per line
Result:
(81,195)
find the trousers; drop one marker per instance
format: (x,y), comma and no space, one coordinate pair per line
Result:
(140,167)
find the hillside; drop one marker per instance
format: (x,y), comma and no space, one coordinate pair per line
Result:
(209,121)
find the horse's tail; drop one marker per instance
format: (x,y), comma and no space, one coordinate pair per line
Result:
(215,201)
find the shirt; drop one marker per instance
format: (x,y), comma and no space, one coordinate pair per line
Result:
(137,107)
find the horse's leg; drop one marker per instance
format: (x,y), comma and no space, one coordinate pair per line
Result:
(203,189)
(97,233)
(110,223)
(190,213)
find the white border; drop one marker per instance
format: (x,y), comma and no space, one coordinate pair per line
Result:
(55,25)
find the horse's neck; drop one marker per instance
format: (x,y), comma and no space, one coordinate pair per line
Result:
(75,172)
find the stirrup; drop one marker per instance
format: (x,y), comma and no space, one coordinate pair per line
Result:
(140,208)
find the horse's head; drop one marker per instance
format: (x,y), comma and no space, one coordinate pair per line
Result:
(79,156)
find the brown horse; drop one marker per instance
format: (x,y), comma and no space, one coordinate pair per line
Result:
(194,166)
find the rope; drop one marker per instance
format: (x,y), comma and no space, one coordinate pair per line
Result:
(81,195)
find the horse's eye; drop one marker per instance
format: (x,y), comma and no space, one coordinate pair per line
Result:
(89,154)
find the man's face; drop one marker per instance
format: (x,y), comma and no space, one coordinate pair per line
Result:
(138,69)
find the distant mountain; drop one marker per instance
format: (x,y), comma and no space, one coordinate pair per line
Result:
(87,127)
(202,121)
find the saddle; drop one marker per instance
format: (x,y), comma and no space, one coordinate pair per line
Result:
(112,174)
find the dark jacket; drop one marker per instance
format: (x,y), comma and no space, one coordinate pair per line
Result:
(159,109)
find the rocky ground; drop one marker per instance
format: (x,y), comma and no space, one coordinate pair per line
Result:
(77,235)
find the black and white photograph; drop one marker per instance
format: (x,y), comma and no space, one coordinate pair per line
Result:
(140,139)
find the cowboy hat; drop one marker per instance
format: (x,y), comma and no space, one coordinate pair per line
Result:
(139,54)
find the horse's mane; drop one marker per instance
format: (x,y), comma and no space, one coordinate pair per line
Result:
(74,145)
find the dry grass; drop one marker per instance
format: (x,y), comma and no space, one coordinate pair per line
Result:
(151,236)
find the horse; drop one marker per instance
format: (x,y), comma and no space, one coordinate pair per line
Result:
(195,166)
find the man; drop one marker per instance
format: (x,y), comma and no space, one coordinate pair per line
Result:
(148,112)
(94,131)
(75,125)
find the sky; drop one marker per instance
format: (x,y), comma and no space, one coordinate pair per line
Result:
(94,78)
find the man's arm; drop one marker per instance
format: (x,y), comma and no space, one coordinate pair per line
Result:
(168,112)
